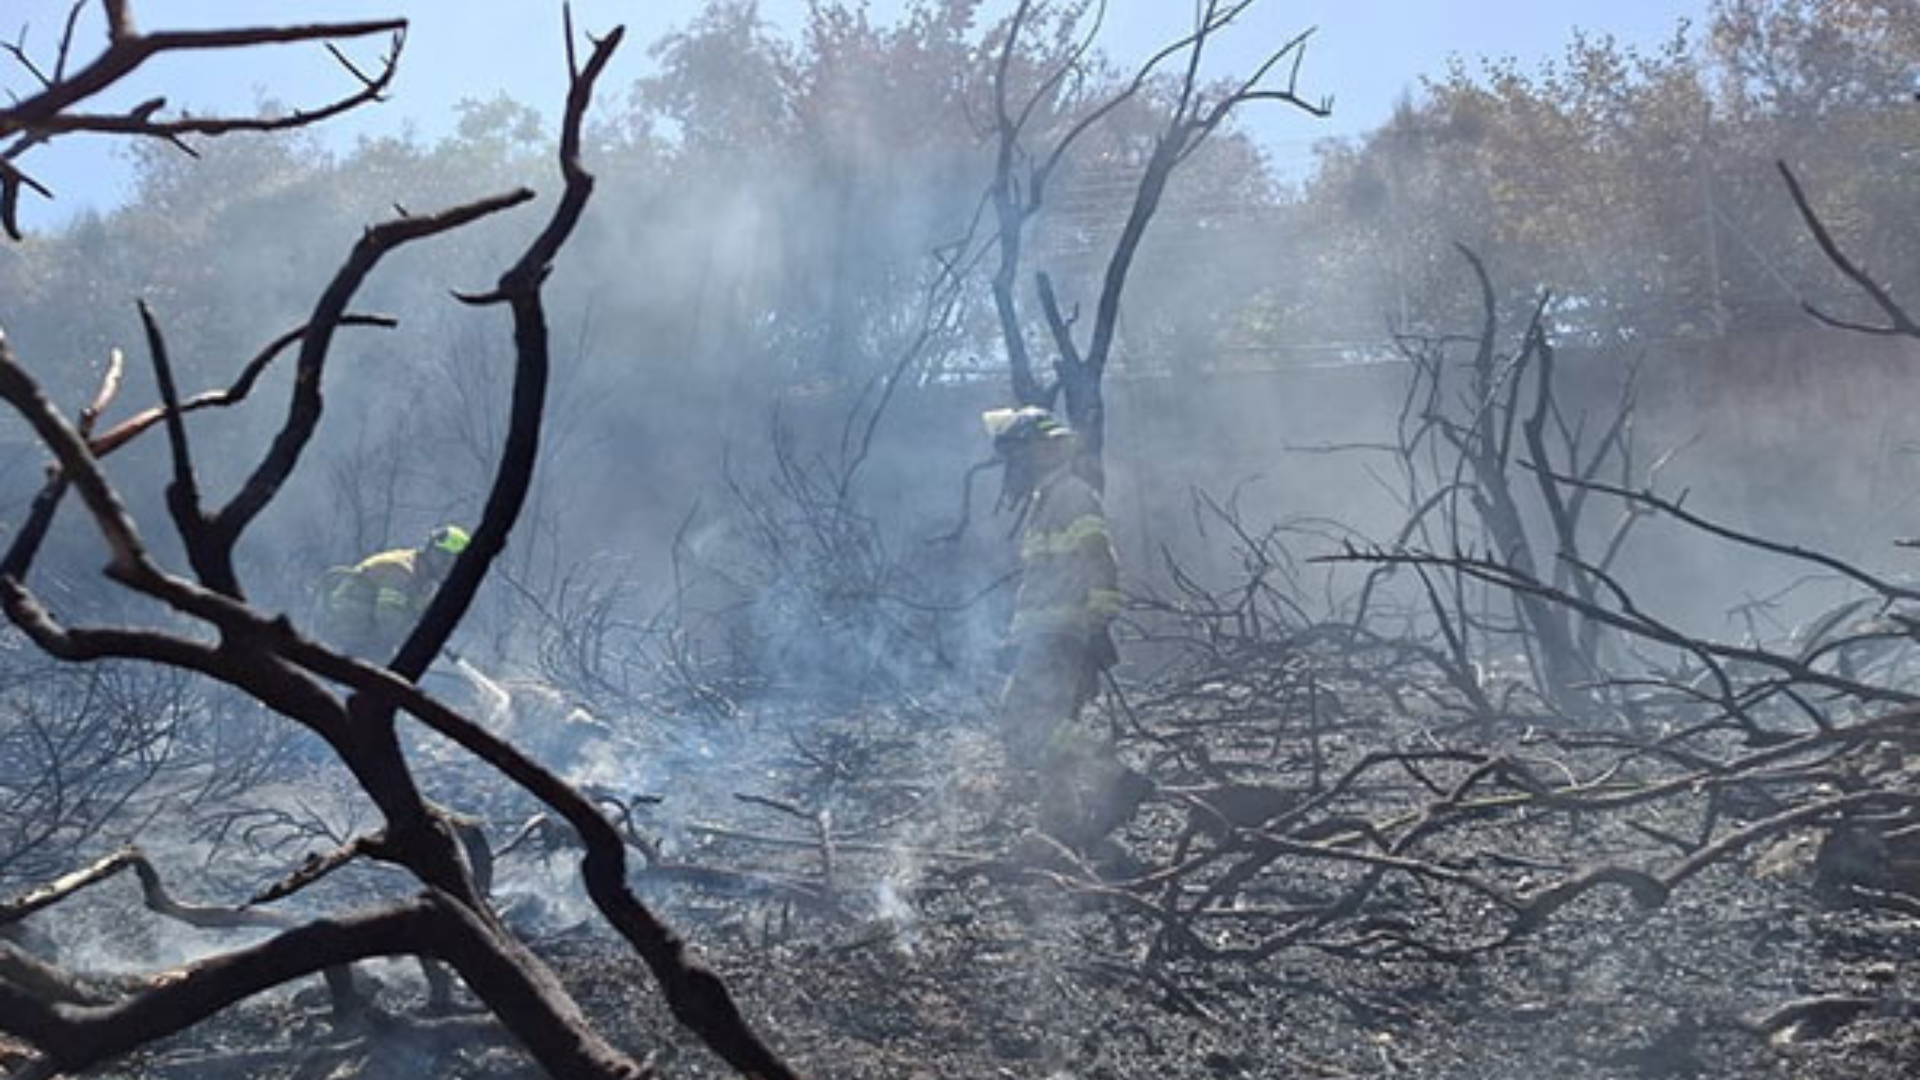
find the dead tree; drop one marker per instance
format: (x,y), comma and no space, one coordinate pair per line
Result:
(1482,449)
(1284,838)
(354,706)
(1291,830)
(1023,169)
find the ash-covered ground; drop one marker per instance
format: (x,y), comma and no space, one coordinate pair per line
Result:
(869,884)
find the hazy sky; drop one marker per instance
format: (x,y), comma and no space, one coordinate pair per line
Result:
(1365,53)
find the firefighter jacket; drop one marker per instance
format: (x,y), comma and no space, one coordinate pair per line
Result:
(374,603)
(1069,581)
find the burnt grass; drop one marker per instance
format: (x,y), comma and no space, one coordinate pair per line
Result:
(922,943)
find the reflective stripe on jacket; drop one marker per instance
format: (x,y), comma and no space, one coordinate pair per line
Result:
(1069,581)
(386,588)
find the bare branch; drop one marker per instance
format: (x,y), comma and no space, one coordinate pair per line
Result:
(152,889)
(128,50)
(1674,509)
(1898,321)
(519,287)
(697,997)
(76,1037)
(1057,322)
(109,389)
(127,430)
(78,466)
(317,867)
(11,181)
(52,112)
(183,493)
(303,414)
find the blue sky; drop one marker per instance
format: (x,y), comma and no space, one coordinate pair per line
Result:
(1365,54)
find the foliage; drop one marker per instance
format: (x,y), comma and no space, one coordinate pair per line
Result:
(1639,184)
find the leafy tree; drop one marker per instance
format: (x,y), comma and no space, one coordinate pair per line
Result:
(1639,184)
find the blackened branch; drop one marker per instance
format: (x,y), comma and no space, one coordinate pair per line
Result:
(183,492)
(74,1037)
(1899,323)
(698,998)
(128,49)
(127,430)
(520,288)
(303,414)
(53,112)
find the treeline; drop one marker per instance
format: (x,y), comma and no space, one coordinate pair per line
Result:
(770,206)
(1638,185)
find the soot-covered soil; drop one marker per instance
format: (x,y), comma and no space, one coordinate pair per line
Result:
(920,941)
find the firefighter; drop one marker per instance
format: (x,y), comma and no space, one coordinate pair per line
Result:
(372,605)
(1063,611)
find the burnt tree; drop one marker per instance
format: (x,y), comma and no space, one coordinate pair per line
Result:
(1482,446)
(1033,131)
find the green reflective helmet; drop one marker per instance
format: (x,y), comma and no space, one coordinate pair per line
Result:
(451,539)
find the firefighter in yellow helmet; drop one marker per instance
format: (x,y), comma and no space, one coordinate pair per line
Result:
(370,606)
(1062,614)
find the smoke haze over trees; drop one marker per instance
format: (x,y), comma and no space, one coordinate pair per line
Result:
(772,203)
(748,149)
